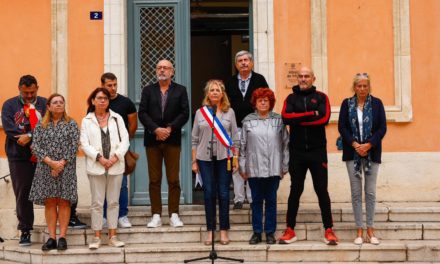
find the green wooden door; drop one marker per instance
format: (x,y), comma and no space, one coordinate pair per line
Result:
(158,29)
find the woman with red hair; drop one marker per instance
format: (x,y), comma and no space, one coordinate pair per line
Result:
(263,161)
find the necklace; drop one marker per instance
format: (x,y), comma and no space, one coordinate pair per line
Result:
(100,119)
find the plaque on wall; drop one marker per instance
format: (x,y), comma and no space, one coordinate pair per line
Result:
(291,74)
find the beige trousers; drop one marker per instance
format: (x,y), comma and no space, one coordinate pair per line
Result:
(105,187)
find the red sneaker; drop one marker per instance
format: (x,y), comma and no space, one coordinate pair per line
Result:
(330,237)
(288,237)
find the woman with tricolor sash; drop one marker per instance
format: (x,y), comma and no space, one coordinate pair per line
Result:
(223,160)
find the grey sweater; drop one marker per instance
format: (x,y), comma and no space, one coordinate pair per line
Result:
(201,135)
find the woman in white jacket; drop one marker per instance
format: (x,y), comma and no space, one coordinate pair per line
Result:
(104,140)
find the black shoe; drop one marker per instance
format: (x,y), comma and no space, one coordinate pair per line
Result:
(62,244)
(270,239)
(50,244)
(255,239)
(25,239)
(238,206)
(75,223)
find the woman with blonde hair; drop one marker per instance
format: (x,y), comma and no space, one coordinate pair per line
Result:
(214,164)
(362,125)
(55,143)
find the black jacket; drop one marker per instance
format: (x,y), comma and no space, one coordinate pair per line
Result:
(16,123)
(307,112)
(175,115)
(379,129)
(242,106)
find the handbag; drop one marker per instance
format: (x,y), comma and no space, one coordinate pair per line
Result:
(339,144)
(130,157)
(130,161)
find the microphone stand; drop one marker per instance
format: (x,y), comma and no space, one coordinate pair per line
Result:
(213,253)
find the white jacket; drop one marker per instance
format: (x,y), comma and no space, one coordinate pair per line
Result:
(91,143)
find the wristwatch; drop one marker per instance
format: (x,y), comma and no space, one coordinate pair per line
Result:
(29,134)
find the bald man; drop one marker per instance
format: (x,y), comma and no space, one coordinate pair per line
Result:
(307,112)
(163,111)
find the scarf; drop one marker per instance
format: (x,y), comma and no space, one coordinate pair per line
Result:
(367,120)
(33,116)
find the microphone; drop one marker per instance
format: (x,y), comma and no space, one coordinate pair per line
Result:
(214,110)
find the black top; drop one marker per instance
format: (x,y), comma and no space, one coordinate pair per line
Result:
(15,122)
(123,106)
(378,130)
(307,112)
(242,106)
(176,112)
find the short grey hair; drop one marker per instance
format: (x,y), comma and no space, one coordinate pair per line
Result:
(244,52)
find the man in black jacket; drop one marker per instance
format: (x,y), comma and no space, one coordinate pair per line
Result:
(163,111)
(307,112)
(239,90)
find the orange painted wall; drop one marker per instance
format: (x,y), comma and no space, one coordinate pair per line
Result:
(292,36)
(360,40)
(25,41)
(86,54)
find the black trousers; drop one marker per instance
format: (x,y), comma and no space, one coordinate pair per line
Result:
(73,210)
(22,174)
(298,170)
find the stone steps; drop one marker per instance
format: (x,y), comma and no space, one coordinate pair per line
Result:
(242,233)
(409,232)
(308,213)
(301,251)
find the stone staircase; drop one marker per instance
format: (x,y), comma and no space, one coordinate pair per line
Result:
(409,232)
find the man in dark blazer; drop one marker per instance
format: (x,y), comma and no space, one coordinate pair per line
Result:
(239,90)
(163,111)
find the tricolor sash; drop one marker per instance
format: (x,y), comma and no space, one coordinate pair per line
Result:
(219,131)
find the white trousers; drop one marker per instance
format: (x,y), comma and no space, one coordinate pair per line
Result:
(105,187)
(241,191)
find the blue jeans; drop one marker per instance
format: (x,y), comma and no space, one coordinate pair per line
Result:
(221,180)
(123,199)
(264,190)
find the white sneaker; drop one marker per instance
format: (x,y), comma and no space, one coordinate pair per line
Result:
(175,220)
(123,222)
(104,223)
(358,241)
(115,242)
(155,221)
(95,243)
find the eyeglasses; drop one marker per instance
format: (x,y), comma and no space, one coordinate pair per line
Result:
(101,98)
(364,74)
(57,102)
(163,68)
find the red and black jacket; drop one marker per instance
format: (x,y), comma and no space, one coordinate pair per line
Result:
(307,112)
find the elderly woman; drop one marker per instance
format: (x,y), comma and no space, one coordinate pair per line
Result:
(362,125)
(104,140)
(55,145)
(215,161)
(264,160)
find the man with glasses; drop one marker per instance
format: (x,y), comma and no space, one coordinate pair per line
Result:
(239,90)
(20,115)
(307,112)
(163,111)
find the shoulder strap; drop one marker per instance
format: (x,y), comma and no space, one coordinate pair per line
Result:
(117,124)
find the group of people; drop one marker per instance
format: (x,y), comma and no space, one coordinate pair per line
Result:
(239,114)
(236,137)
